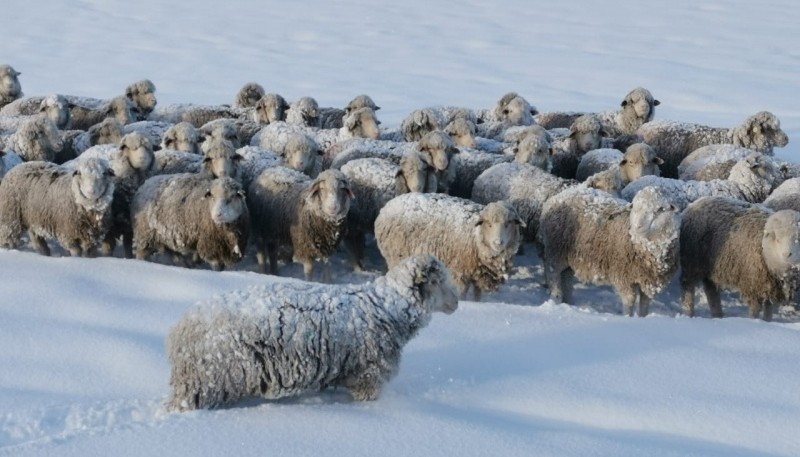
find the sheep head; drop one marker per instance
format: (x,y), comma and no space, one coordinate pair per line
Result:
(329,195)
(308,110)
(513,109)
(654,219)
(136,149)
(248,96)
(415,175)
(56,108)
(640,102)
(10,88)
(587,133)
(498,227)
(220,159)
(301,153)
(535,150)
(226,200)
(437,149)
(93,184)
(142,96)
(362,123)
(419,123)
(361,101)
(780,244)
(121,109)
(109,131)
(271,108)
(639,160)
(181,137)
(462,132)
(38,139)
(760,132)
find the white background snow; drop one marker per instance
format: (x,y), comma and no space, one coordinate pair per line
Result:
(82,364)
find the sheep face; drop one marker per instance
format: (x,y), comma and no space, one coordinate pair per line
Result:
(462,132)
(361,101)
(93,180)
(137,150)
(587,133)
(57,109)
(433,281)
(418,124)
(608,181)
(121,109)
(654,218)
(535,150)
(221,159)
(107,132)
(41,139)
(226,200)
(142,95)
(512,109)
(249,95)
(760,132)
(300,153)
(498,228)
(308,110)
(780,244)
(181,137)
(362,123)
(415,175)
(271,108)
(330,195)
(9,81)
(639,160)
(641,102)
(219,131)
(437,149)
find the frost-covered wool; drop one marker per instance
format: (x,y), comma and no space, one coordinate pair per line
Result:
(270,108)
(637,108)
(525,187)
(516,134)
(604,240)
(751,180)
(274,136)
(637,161)
(438,150)
(55,107)
(191,215)
(153,130)
(673,141)
(220,159)
(421,122)
(109,131)
(511,110)
(732,244)
(10,88)
(585,134)
(466,166)
(304,112)
(197,115)
(476,242)
(248,96)
(85,115)
(182,136)
(597,160)
(785,196)
(289,209)
(8,160)
(374,182)
(52,202)
(37,139)
(301,153)
(240,132)
(361,148)
(333,118)
(360,123)
(253,162)
(711,162)
(535,150)
(556,119)
(143,96)
(286,338)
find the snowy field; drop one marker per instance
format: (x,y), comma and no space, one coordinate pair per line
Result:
(82,364)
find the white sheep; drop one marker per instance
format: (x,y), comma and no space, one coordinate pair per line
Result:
(109,131)
(361,148)
(604,240)
(219,160)
(197,115)
(10,88)
(85,113)
(333,118)
(248,96)
(751,180)
(673,141)
(270,108)
(303,111)
(288,338)
(732,244)
(190,214)
(253,162)
(785,196)
(715,161)
(475,242)
(153,130)
(374,182)
(182,136)
(36,139)
(142,96)
(52,202)
(585,134)
(511,110)
(419,123)
(289,209)
(56,107)
(637,161)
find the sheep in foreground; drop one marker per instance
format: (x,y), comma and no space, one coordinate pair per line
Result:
(10,88)
(604,240)
(751,180)
(37,139)
(52,202)
(731,244)
(476,242)
(289,338)
(182,136)
(291,210)
(85,115)
(142,95)
(131,162)
(375,182)
(190,214)
(248,96)
(637,161)
(56,107)
(673,141)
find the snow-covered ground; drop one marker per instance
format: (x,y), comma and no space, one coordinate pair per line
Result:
(82,363)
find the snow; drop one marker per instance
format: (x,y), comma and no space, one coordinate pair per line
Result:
(82,363)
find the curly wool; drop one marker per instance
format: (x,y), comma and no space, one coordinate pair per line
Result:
(197,115)
(85,113)
(37,139)
(55,107)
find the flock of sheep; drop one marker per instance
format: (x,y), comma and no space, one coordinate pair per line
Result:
(608,198)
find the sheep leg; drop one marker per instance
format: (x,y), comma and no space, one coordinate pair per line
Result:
(713,298)
(216,266)
(687,296)
(554,283)
(644,304)
(261,254)
(476,293)
(127,244)
(354,243)
(108,245)
(272,252)
(366,386)
(769,307)
(308,268)
(326,271)
(628,297)
(40,245)
(754,307)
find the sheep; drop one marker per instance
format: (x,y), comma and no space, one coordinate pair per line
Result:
(288,338)
(375,182)
(333,118)
(585,134)
(197,115)
(419,123)
(751,180)
(465,168)
(637,161)
(153,130)
(248,96)
(301,153)
(361,148)
(604,240)
(270,108)
(240,132)
(785,196)
(462,132)
(516,134)
(56,107)
(535,150)
(191,214)
(182,136)
(475,242)
(131,162)
(219,160)
(511,110)
(673,141)
(109,131)
(85,115)
(142,96)
(731,244)
(10,88)
(253,162)
(289,209)
(37,139)
(49,201)
(304,111)
(715,161)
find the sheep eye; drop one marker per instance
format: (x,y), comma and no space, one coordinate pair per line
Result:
(505,111)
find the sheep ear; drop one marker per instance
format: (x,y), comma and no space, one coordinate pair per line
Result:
(515,150)
(623,162)
(603,133)
(110,172)
(129,93)
(376,108)
(453,150)
(674,208)
(168,142)
(314,189)
(76,173)
(208,194)
(656,102)
(520,222)
(479,223)
(71,105)
(624,103)
(657,161)
(237,157)
(206,159)
(349,193)
(377,122)
(551,151)
(42,109)
(241,193)
(534,112)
